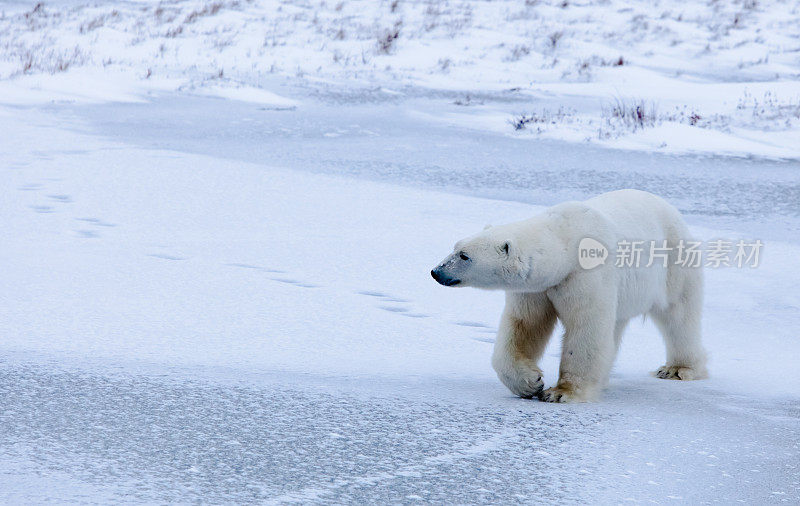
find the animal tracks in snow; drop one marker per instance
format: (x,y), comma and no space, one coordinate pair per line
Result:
(397,306)
(38,208)
(164,256)
(400,307)
(394,309)
(63,199)
(476,325)
(87,234)
(88,225)
(294,282)
(373,294)
(480,328)
(96,222)
(383,296)
(483,339)
(93,222)
(255,267)
(245,266)
(51,206)
(282,279)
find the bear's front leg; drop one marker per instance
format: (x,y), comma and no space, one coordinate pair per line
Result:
(525,327)
(587,309)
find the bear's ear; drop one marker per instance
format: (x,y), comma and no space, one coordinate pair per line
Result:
(505,248)
(487,227)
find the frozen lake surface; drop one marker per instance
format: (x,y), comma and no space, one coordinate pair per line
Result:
(159,437)
(220,303)
(376,136)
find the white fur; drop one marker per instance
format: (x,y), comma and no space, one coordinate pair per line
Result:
(536,263)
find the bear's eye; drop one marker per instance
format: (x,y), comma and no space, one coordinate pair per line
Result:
(463,256)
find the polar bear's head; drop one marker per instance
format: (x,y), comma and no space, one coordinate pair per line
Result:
(524,256)
(481,261)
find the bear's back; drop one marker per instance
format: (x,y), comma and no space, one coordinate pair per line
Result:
(638,215)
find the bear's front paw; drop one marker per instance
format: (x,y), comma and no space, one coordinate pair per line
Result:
(557,394)
(567,391)
(527,385)
(677,372)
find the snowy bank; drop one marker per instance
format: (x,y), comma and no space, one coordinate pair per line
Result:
(715,77)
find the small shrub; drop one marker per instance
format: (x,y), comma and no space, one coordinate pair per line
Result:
(635,115)
(207,10)
(554,38)
(546,117)
(387,39)
(38,9)
(174,32)
(521,122)
(518,52)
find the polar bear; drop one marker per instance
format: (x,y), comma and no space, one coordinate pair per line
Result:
(537,263)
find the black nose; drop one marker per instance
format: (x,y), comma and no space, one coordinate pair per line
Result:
(444,279)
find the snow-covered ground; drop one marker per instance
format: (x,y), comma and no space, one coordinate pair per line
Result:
(215,287)
(671,76)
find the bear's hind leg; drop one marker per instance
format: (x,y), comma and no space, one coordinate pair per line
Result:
(679,324)
(525,328)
